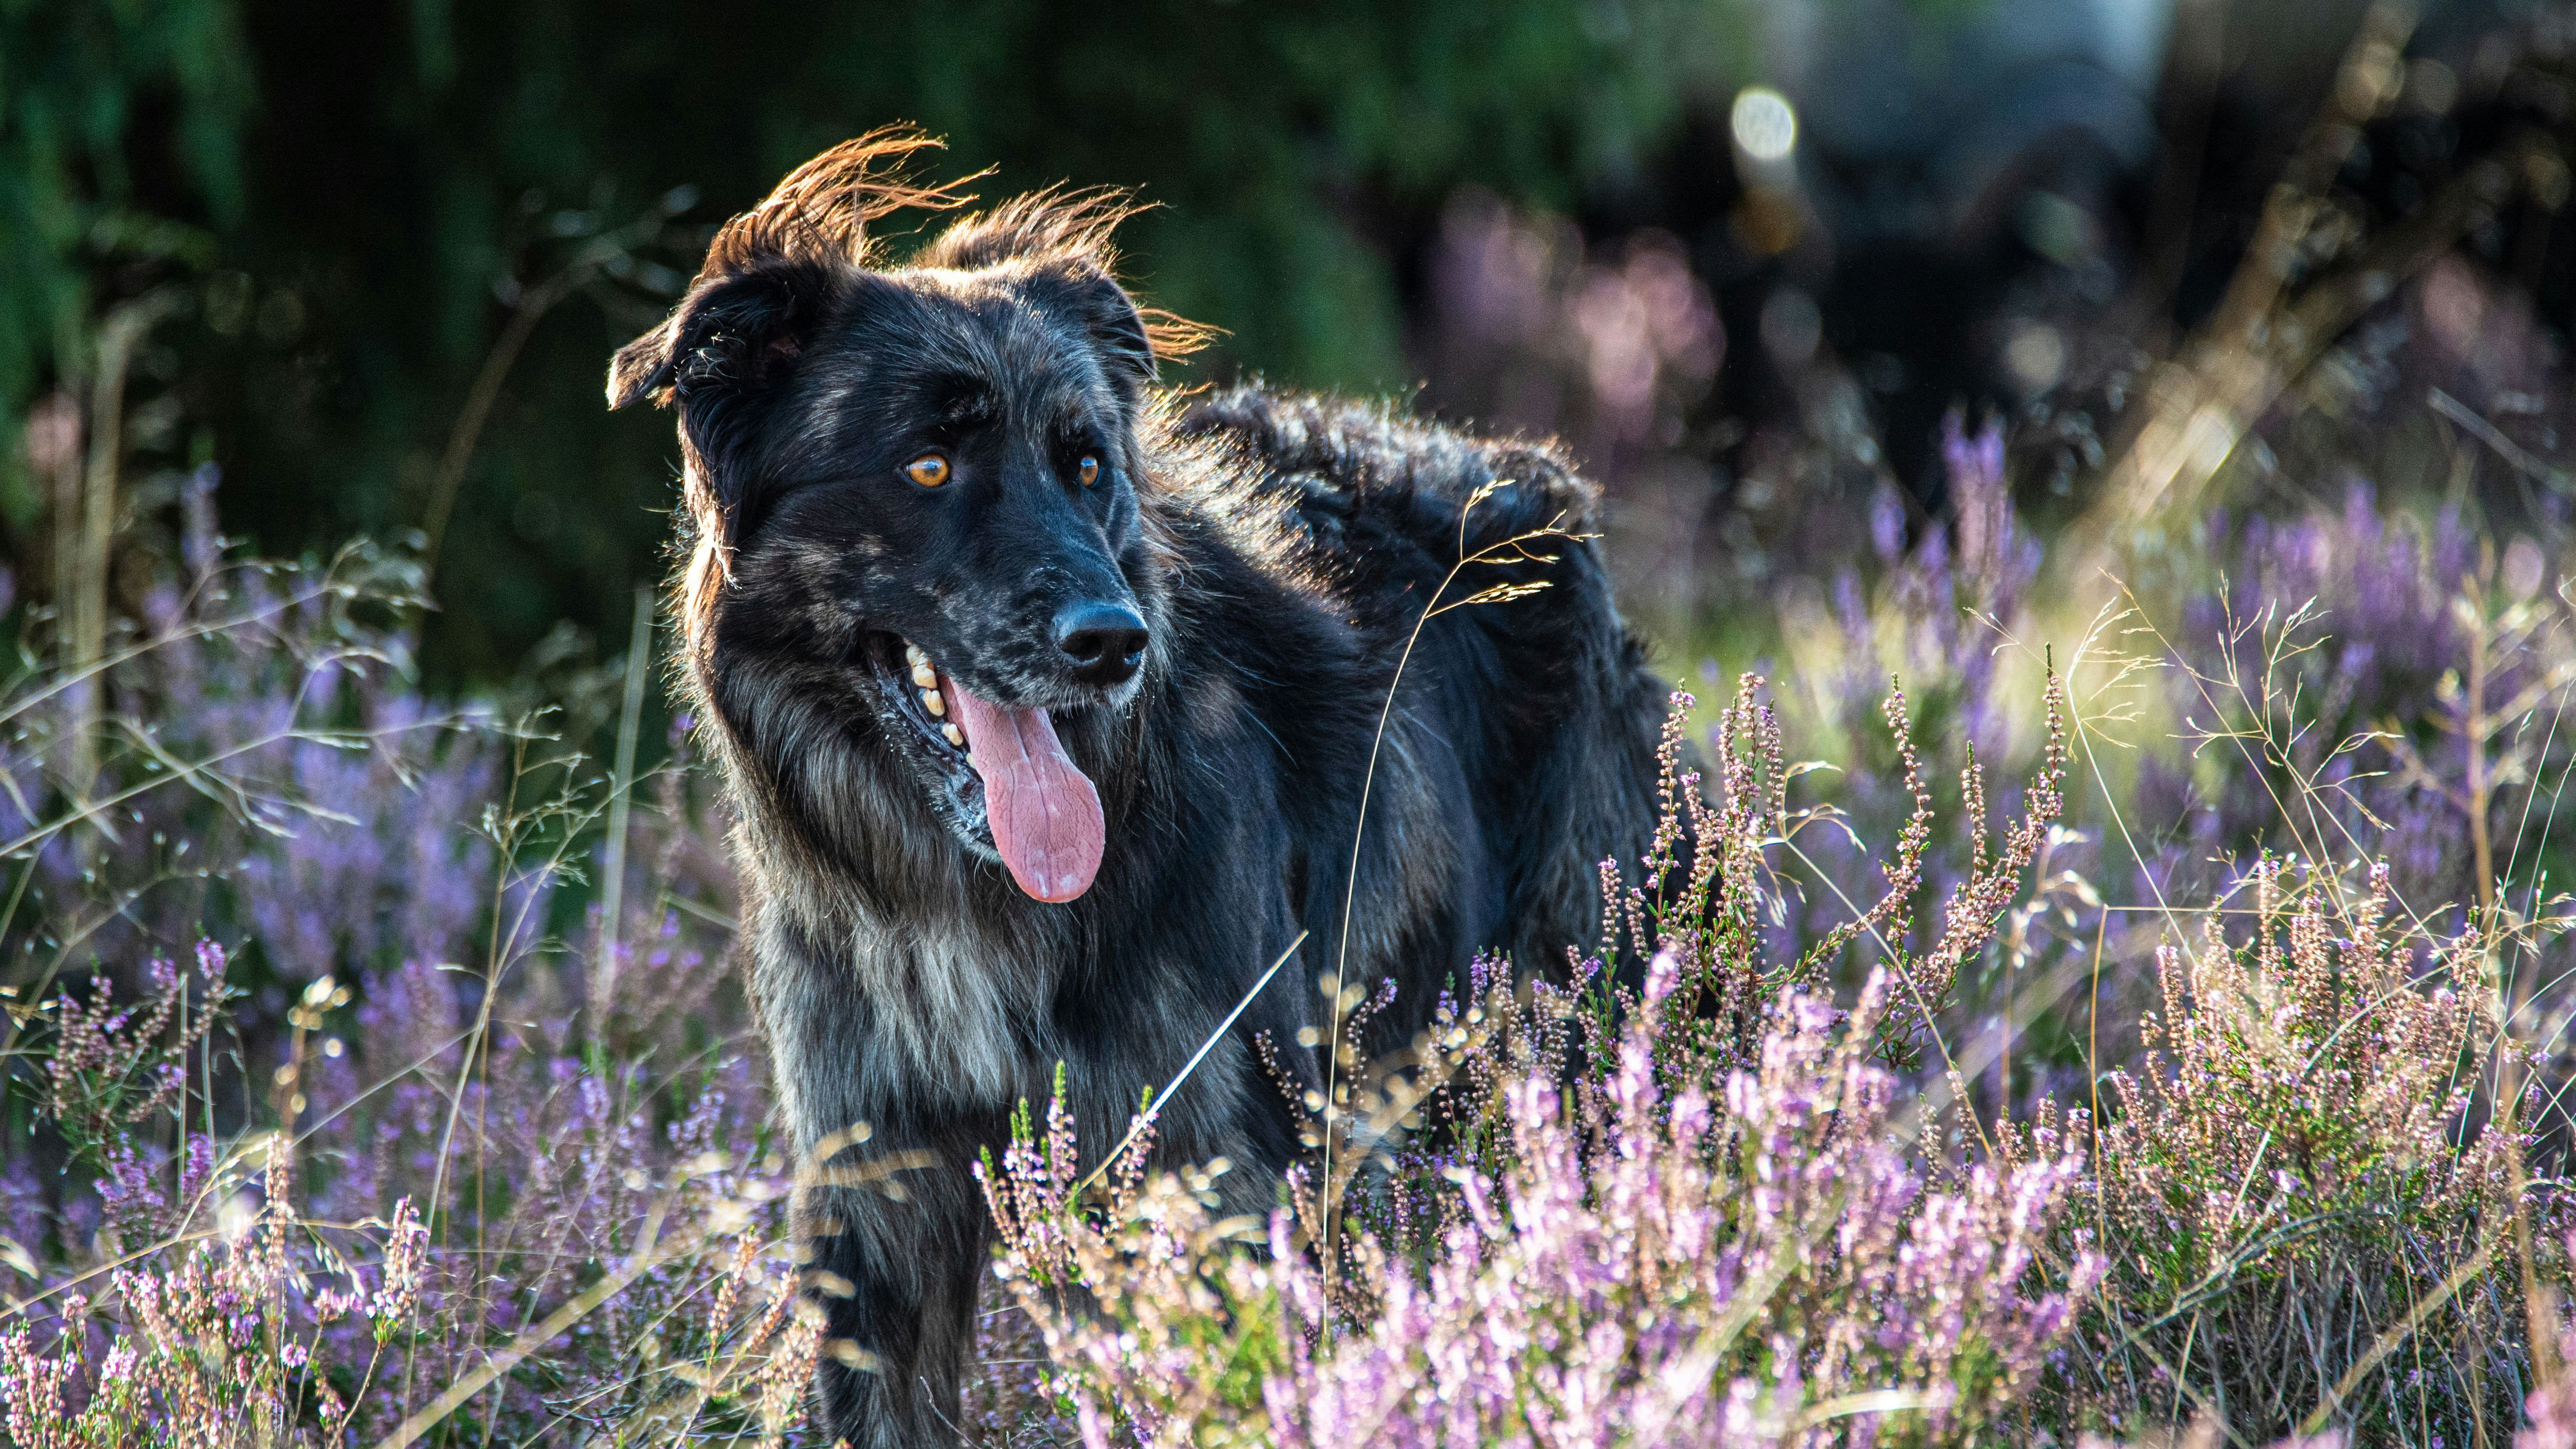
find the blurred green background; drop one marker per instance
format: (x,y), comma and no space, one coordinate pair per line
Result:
(353,203)
(371,258)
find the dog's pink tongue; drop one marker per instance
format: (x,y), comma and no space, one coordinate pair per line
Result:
(1044,812)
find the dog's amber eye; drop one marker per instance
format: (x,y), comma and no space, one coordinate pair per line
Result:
(1088,470)
(929,470)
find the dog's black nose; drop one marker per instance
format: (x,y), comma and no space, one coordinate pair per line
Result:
(1104,641)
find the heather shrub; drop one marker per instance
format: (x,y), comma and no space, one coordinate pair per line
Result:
(201,1354)
(377,1075)
(412,1149)
(1663,1259)
(2302,1220)
(1678,1212)
(2352,712)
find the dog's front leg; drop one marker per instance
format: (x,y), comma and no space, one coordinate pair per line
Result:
(896,1260)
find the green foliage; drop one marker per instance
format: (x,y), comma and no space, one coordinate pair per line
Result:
(121,131)
(412,175)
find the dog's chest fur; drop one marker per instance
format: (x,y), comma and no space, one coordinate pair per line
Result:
(946,992)
(934,1004)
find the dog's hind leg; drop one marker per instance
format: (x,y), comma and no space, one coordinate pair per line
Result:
(1587,796)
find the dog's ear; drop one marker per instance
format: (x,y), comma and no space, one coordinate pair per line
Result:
(1108,315)
(719,358)
(1117,328)
(772,272)
(731,331)
(642,367)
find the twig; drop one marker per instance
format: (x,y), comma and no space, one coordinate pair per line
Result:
(2398,1333)
(1154,1108)
(621,803)
(2487,433)
(1510,550)
(531,308)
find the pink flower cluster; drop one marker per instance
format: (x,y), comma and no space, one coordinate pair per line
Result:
(1662,1259)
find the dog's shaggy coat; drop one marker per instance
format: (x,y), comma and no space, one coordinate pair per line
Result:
(932,467)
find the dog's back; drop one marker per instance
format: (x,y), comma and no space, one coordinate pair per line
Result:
(1539,687)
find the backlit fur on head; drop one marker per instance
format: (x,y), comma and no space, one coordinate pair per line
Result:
(778,273)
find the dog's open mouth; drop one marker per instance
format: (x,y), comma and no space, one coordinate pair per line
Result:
(1043,814)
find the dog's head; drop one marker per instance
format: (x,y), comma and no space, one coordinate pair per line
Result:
(940,456)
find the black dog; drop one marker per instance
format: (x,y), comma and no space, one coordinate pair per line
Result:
(1048,706)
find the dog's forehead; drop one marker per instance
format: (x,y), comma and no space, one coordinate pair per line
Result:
(986,324)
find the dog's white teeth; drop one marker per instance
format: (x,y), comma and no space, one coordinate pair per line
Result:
(955,735)
(931,701)
(913,656)
(923,676)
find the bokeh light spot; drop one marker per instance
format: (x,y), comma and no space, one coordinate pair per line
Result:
(2035,355)
(1763,123)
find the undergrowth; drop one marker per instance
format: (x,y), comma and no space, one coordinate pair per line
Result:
(2210,1077)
